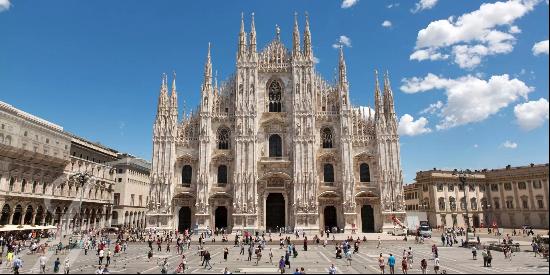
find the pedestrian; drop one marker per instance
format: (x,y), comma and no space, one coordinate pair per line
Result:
(489,258)
(424,266)
(436,265)
(270,256)
(164,266)
(484,255)
(225,252)
(282,265)
(43,261)
(474,252)
(99,270)
(56,265)
(379,243)
(67,266)
(101,255)
(108,257)
(391,264)
(332,269)
(404,265)
(226,271)
(382,264)
(17,265)
(305,244)
(258,256)
(150,254)
(287,259)
(207,260)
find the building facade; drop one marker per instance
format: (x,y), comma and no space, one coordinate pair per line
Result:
(510,197)
(37,160)
(276,146)
(131,194)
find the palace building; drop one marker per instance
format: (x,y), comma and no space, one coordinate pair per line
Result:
(276,146)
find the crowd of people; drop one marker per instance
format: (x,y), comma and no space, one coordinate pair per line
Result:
(253,248)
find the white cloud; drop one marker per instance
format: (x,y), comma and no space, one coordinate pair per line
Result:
(473,36)
(476,146)
(532,114)
(540,48)
(433,108)
(4,5)
(386,24)
(342,41)
(316,60)
(509,144)
(365,110)
(409,127)
(469,99)
(424,5)
(348,3)
(393,5)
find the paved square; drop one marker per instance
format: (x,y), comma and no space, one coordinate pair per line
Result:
(316,260)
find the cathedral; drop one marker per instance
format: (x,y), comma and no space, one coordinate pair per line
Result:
(276,147)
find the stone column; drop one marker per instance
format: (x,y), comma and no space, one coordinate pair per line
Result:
(33,221)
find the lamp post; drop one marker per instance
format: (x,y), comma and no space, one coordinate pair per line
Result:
(81,178)
(462,176)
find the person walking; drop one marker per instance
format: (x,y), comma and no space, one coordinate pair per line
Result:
(270,256)
(382,264)
(489,258)
(282,265)
(332,269)
(67,266)
(379,243)
(225,253)
(258,256)
(484,255)
(56,265)
(436,265)
(404,265)
(424,266)
(207,260)
(17,265)
(391,264)
(474,252)
(101,255)
(43,261)
(108,257)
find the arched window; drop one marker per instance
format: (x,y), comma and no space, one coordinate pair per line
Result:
(34,185)
(484,204)
(222,174)
(441,203)
(473,202)
(328,172)
(186,174)
(452,203)
(223,139)
(326,138)
(275,146)
(463,203)
(23,185)
(12,184)
(275,97)
(364,172)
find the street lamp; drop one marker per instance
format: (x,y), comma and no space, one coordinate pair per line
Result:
(81,178)
(462,176)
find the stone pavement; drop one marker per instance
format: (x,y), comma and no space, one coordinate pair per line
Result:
(316,260)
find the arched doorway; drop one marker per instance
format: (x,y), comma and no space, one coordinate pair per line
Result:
(220,219)
(6,211)
(367,218)
(184,219)
(476,221)
(17,215)
(275,211)
(331,220)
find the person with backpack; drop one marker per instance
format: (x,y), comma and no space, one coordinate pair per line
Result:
(424,266)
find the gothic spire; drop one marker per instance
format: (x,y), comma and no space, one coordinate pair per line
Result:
(307,40)
(378,104)
(342,72)
(208,68)
(174,95)
(163,96)
(242,39)
(295,37)
(252,36)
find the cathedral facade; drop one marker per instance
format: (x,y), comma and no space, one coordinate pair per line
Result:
(276,146)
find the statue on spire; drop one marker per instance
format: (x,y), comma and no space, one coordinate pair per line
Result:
(277,32)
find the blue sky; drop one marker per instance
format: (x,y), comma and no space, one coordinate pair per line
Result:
(94,66)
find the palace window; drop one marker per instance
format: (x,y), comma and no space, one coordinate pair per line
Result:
(494,187)
(451,187)
(522,185)
(439,187)
(484,204)
(222,175)
(223,139)
(463,203)
(326,138)
(186,175)
(537,184)
(482,187)
(473,203)
(452,203)
(507,186)
(441,203)
(275,146)
(509,203)
(540,202)
(275,97)
(497,203)
(23,185)
(364,172)
(328,172)
(116,200)
(12,184)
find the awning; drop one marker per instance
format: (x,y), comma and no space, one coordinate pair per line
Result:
(13,227)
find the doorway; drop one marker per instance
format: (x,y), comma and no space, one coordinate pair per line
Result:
(331,220)
(220,217)
(367,219)
(184,219)
(275,212)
